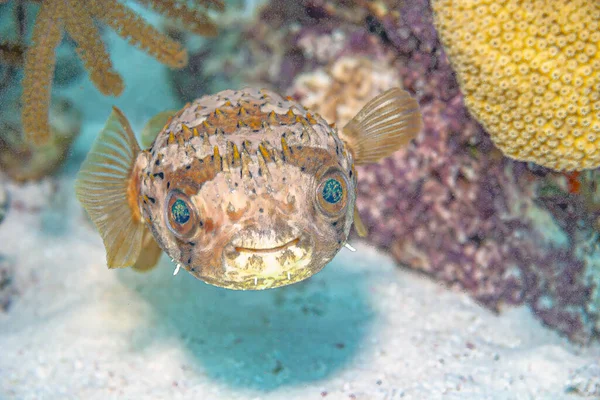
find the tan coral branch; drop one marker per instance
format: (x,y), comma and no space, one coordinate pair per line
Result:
(39,71)
(90,48)
(132,27)
(192,18)
(77,17)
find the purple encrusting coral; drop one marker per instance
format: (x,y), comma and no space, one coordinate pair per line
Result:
(451,205)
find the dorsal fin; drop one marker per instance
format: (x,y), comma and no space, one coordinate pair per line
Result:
(382,126)
(107,185)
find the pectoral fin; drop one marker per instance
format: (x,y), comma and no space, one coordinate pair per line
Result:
(149,255)
(154,126)
(107,185)
(384,125)
(359,226)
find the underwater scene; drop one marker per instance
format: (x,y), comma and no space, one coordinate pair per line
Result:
(299,199)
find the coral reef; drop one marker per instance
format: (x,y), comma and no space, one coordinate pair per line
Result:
(76,17)
(530,73)
(354,79)
(449,205)
(23,161)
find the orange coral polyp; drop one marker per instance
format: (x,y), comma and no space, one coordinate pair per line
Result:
(530,67)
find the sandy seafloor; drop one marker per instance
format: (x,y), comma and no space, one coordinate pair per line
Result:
(362,329)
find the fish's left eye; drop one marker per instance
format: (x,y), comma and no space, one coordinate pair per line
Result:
(181,214)
(332,191)
(332,194)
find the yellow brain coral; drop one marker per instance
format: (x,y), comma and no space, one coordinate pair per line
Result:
(530,73)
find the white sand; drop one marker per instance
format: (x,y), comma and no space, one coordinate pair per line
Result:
(362,329)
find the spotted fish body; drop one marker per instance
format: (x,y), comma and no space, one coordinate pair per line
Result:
(247,160)
(244,189)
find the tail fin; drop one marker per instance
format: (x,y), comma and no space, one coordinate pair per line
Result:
(108,190)
(383,126)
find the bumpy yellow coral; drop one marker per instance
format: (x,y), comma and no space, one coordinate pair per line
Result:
(530,73)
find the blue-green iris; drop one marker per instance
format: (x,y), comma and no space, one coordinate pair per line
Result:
(332,191)
(180,212)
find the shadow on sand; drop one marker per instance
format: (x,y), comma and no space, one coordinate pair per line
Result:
(262,340)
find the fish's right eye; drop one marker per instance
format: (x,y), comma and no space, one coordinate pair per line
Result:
(181,215)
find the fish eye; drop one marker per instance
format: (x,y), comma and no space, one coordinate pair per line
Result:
(181,214)
(332,191)
(332,194)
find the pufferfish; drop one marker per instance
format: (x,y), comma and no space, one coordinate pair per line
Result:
(244,189)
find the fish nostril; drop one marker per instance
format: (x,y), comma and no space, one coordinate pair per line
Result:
(235,214)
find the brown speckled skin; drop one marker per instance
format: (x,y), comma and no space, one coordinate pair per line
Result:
(245,198)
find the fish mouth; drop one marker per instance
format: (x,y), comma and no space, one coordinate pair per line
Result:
(275,249)
(262,262)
